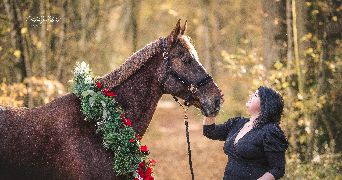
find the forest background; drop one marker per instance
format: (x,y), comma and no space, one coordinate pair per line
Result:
(292,46)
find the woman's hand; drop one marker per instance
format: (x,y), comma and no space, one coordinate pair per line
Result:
(267,176)
(208,120)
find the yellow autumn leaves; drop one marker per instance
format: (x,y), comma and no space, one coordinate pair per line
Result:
(43,91)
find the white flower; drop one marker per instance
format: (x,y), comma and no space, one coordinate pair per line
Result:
(317,159)
(136,175)
(88,80)
(83,65)
(103,104)
(99,123)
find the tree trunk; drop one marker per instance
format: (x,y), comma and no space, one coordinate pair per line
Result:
(316,114)
(303,45)
(84,7)
(215,39)
(298,67)
(60,51)
(328,127)
(17,70)
(206,36)
(291,92)
(25,55)
(134,23)
(271,31)
(43,38)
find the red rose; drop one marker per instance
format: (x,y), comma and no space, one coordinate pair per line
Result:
(137,136)
(111,94)
(132,140)
(148,174)
(142,164)
(105,92)
(152,161)
(98,85)
(141,172)
(128,122)
(143,148)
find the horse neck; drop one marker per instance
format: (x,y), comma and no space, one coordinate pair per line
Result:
(139,94)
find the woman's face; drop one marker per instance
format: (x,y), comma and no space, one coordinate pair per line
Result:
(253,105)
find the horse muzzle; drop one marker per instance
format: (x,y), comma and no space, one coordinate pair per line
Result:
(211,108)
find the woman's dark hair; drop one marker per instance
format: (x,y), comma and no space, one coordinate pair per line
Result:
(272,105)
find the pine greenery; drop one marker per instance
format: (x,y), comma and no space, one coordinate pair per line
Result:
(118,136)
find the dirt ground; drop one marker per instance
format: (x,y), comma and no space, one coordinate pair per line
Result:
(166,141)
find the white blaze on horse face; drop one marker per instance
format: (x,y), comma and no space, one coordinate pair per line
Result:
(192,50)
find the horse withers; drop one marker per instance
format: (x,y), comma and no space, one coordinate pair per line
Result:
(55,142)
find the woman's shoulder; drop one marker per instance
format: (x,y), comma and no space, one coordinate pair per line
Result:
(274,137)
(273,128)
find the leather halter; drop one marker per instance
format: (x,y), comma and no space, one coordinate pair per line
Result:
(192,88)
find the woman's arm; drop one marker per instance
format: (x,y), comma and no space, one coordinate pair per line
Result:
(208,120)
(212,131)
(217,132)
(275,145)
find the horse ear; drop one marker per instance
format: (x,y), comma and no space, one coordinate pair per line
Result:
(175,32)
(184,28)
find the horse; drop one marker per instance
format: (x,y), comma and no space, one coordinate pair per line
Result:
(55,142)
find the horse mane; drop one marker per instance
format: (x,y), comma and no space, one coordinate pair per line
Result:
(138,60)
(131,65)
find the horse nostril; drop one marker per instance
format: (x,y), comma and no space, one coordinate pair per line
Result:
(217,104)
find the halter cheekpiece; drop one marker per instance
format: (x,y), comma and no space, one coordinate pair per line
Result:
(191,88)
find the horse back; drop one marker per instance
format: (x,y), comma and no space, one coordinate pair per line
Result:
(51,142)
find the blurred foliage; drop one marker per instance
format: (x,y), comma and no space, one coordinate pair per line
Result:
(43,91)
(102,34)
(12,94)
(325,165)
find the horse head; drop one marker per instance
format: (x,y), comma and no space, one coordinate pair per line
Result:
(185,77)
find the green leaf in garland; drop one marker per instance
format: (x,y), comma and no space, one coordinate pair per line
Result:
(110,117)
(84,93)
(104,115)
(103,104)
(91,101)
(91,92)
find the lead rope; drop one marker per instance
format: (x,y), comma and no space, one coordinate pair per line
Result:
(187,135)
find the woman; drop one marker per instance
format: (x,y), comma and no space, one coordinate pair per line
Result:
(255,146)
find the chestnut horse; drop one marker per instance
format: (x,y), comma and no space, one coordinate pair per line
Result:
(55,142)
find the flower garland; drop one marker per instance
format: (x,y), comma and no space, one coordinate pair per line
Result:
(130,158)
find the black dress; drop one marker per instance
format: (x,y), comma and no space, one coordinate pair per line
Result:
(260,150)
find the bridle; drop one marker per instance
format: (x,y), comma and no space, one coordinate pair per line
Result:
(192,88)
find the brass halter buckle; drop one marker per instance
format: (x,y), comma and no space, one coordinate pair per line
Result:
(192,89)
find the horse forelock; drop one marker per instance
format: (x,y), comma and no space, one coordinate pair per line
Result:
(187,44)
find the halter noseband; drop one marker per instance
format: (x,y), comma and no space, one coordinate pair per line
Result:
(191,88)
